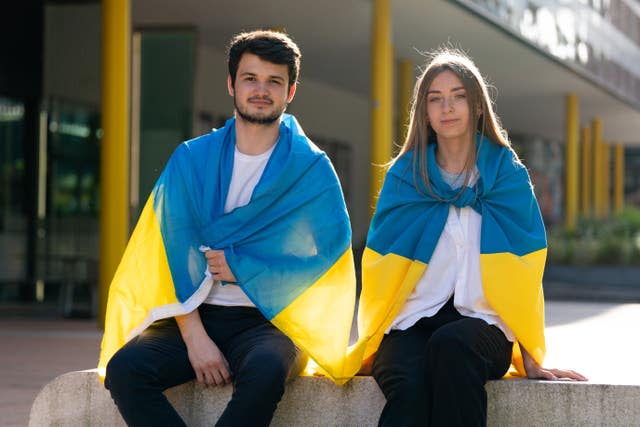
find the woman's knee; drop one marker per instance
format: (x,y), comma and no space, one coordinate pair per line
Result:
(448,344)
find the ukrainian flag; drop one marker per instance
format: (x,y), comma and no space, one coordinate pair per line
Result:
(289,248)
(407,225)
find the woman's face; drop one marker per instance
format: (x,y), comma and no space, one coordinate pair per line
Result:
(448,108)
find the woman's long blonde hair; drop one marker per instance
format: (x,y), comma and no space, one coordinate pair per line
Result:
(482,118)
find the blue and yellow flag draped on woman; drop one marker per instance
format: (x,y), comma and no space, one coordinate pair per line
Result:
(409,220)
(289,248)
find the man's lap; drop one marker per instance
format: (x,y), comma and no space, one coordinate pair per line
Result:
(245,337)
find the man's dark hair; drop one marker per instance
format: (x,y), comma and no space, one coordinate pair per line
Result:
(271,46)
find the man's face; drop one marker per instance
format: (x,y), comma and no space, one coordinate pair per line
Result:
(261,91)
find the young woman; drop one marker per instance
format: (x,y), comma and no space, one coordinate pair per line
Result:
(457,247)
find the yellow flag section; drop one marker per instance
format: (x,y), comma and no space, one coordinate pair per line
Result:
(512,287)
(320,331)
(379,303)
(141,284)
(387,282)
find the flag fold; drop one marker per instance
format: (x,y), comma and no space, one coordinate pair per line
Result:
(289,248)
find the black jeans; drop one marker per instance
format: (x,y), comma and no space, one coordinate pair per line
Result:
(261,359)
(433,373)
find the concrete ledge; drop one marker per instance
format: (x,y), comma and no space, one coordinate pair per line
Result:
(79,399)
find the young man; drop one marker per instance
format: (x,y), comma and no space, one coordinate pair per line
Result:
(259,208)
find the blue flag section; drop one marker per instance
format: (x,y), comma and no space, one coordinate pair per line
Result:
(289,248)
(409,221)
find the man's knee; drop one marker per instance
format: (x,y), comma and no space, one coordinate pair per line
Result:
(266,369)
(121,371)
(269,369)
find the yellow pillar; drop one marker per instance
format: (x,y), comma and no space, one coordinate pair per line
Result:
(619,179)
(406,81)
(596,131)
(381,96)
(114,150)
(571,162)
(606,179)
(586,172)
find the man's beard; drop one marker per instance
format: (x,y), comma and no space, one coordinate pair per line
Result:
(257,120)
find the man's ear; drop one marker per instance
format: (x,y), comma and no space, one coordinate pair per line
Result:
(230,85)
(292,92)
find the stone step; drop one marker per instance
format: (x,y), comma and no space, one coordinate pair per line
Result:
(80,399)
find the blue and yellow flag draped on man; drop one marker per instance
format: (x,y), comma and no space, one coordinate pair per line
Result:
(409,220)
(289,248)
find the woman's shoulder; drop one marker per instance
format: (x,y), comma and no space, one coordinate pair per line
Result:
(504,155)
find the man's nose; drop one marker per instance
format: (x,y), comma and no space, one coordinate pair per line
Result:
(262,88)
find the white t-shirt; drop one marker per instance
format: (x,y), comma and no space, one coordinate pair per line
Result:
(454,269)
(246,173)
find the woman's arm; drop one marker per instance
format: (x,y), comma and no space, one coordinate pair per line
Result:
(535,371)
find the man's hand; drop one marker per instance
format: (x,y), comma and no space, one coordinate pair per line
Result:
(207,360)
(537,372)
(218,266)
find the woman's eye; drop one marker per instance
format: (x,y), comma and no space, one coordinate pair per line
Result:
(434,99)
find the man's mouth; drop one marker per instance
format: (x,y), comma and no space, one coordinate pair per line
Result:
(260,101)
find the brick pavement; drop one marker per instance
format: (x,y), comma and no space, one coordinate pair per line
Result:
(35,351)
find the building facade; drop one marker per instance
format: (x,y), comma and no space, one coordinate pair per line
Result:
(566,76)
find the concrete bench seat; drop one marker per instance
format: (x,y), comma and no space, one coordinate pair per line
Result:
(80,399)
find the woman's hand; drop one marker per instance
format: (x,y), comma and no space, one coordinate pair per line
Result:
(218,266)
(537,372)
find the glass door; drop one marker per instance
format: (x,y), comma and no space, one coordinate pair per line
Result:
(13,203)
(67,261)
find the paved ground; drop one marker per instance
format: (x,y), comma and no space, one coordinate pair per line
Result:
(594,338)
(34,351)
(598,340)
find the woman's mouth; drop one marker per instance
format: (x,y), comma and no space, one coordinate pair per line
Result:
(448,122)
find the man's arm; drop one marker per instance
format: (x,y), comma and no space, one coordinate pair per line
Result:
(207,360)
(535,371)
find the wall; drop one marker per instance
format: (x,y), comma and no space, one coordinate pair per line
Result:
(72,56)
(544,158)
(72,72)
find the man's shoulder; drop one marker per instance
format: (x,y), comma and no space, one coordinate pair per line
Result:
(302,144)
(199,146)
(193,152)
(202,140)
